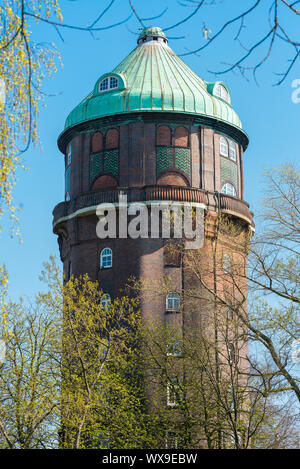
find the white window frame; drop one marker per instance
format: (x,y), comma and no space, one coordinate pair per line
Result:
(105,254)
(227,263)
(108,83)
(221,92)
(228,189)
(232,151)
(173,298)
(224,146)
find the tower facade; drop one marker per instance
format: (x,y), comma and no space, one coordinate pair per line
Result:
(154,131)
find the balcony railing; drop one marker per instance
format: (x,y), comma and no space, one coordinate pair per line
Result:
(212,201)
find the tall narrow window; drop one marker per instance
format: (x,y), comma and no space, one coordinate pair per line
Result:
(106,258)
(173,392)
(232,151)
(232,356)
(228,189)
(173,301)
(223,146)
(227,263)
(69,154)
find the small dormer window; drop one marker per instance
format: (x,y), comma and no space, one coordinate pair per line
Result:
(221,92)
(109,83)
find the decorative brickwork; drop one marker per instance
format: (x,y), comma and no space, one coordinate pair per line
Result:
(181,138)
(229,171)
(97,142)
(164,135)
(112,139)
(173,158)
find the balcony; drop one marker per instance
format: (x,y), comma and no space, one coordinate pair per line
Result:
(88,202)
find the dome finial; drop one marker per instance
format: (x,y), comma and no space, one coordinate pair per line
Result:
(152,33)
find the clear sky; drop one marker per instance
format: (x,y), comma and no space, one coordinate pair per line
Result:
(268,114)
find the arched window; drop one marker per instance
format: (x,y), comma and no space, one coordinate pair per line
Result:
(173,301)
(112,139)
(67,197)
(232,151)
(223,146)
(232,354)
(228,189)
(227,263)
(109,83)
(174,348)
(221,92)
(69,154)
(163,135)
(181,137)
(106,258)
(97,142)
(105,300)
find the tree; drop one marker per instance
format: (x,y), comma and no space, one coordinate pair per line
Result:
(23,67)
(102,391)
(215,290)
(24,63)
(29,390)
(71,375)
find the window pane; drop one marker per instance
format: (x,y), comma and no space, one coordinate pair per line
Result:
(114,82)
(223,146)
(174,348)
(173,301)
(227,263)
(104,84)
(232,152)
(109,83)
(105,300)
(106,258)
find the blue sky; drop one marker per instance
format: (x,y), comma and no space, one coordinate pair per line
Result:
(268,114)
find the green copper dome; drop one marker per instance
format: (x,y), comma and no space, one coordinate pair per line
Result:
(153,78)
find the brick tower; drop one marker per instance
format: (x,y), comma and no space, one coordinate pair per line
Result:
(153,130)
